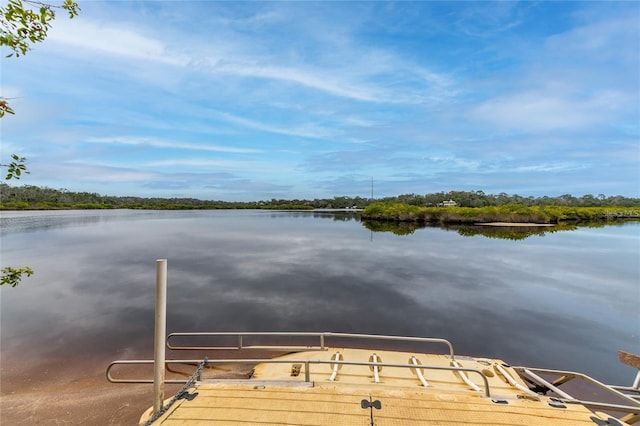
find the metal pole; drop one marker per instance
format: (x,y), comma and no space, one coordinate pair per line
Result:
(160,334)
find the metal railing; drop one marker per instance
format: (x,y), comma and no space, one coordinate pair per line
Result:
(322,338)
(631,406)
(307,370)
(111,379)
(242,341)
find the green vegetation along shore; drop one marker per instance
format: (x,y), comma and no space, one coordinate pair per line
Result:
(467,206)
(511,213)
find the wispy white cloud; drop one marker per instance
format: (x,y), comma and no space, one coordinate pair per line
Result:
(578,79)
(617,36)
(546,110)
(10,92)
(112,39)
(89,172)
(452,162)
(359,121)
(363,80)
(323,81)
(219,164)
(307,131)
(367,85)
(548,167)
(157,143)
(488,19)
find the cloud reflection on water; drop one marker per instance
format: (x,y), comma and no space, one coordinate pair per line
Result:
(542,301)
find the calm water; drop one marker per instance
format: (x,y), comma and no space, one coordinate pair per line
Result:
(563,300)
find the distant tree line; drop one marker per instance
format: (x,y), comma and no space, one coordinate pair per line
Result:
(35,197)
(480,199)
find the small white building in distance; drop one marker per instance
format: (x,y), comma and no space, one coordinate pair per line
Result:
(449,203)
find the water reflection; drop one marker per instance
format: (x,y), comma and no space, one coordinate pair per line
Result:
(396,228)
(516,232)
(552,302)
(335,215)
(17,221)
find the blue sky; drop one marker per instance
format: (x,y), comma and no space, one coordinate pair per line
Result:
(259,100)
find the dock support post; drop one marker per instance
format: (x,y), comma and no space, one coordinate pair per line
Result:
(160,335)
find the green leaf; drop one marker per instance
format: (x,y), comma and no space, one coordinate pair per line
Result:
(13,276)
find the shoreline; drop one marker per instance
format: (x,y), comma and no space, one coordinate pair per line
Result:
(77,393)
(74,390)
(515,224)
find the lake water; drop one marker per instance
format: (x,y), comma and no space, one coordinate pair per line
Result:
(566,300)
